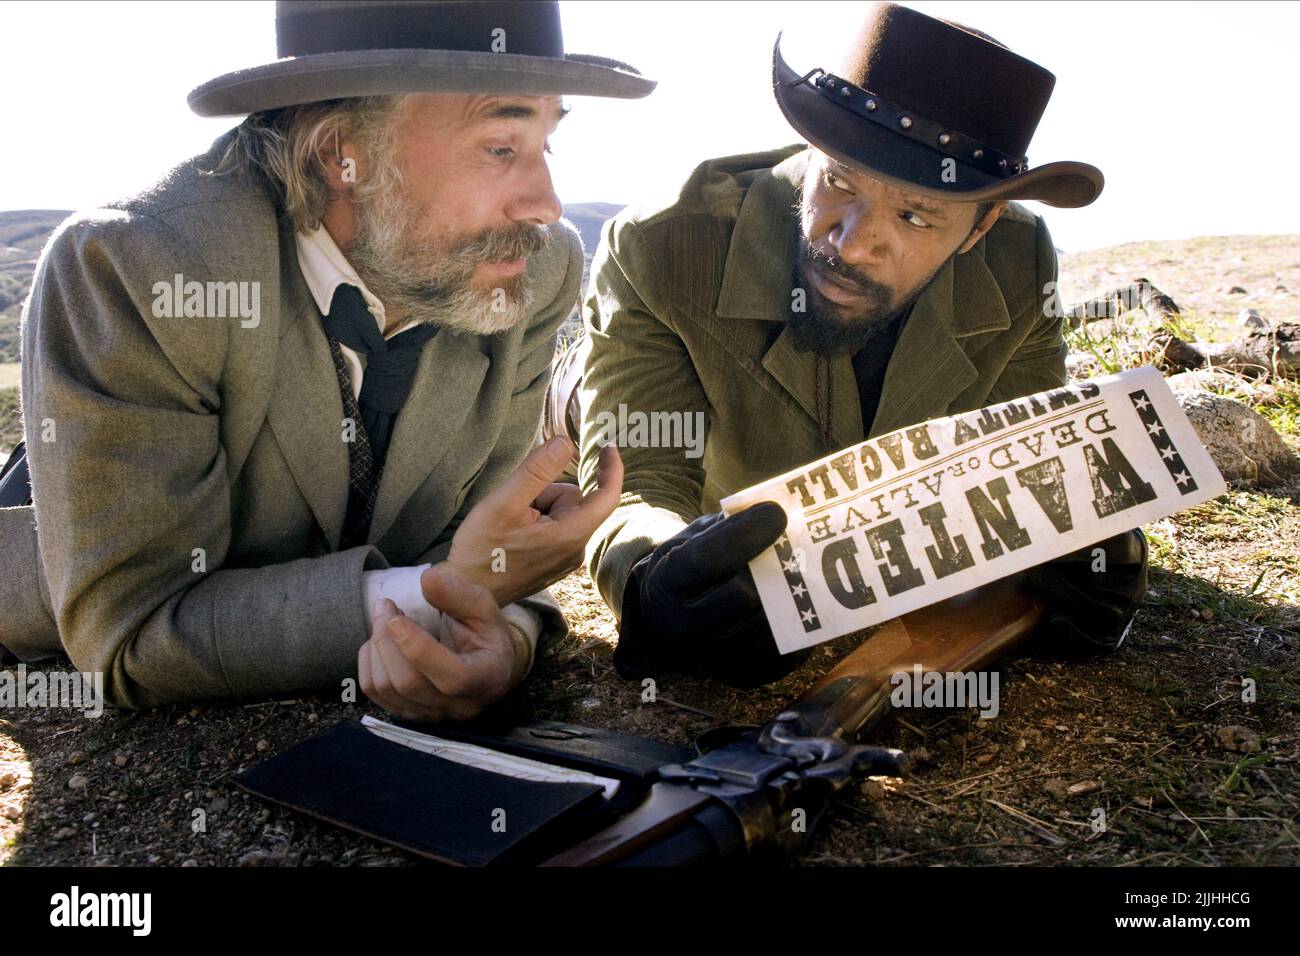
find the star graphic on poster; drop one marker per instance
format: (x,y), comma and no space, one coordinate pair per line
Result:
(808,617)
(1169,453)
(798,590)
(1142,404)
(791,566)
(1155,428)
(1182,477)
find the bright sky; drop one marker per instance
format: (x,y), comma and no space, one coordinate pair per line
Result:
(1187,108)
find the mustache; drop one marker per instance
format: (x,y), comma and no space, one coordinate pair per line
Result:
(519,241)
(844,273)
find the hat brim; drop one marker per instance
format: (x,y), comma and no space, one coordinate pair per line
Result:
(327,76)
(902,162)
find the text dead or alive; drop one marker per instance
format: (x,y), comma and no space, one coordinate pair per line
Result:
(1116,487)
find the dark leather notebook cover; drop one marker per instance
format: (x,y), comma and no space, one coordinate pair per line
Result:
(422,803)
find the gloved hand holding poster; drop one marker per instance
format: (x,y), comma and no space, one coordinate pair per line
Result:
(907,519)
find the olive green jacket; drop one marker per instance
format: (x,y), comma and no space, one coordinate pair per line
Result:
(685,313)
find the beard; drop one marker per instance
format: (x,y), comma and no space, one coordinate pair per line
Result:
(429,279)
(831,328)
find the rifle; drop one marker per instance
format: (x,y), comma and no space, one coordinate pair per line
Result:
(751,793)
(743,798)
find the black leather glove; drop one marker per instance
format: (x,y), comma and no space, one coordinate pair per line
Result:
(1089,612)
(691,605)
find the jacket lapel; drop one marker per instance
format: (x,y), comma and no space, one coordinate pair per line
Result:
(306,411)
(797,372)
(757,283)
(447,384)
(930,367)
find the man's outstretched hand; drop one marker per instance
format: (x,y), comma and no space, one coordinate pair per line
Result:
(691,604)
(477,659)
(530,531)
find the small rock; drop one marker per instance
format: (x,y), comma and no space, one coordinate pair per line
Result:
(7,779)
(263,745)
(919,755)
(1207,614)
(120,760)
(873,790)
(1063,728)
(75,758)
(78,781)
(1280,288)
(1056,787)
(1251,319)
(10,811)
(1020,745)
(1109,740)
(983,759)
(1236,290)
(591,703)
(64,833)
(218,805)
(958,740)
(189,863)
(1082,787)
(1238,738)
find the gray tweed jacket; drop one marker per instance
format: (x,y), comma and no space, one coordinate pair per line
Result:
(189,475)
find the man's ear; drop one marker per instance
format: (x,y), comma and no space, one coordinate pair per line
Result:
(337,154)
(983,226)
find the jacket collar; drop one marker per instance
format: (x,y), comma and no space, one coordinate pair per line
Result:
(929,367)
(306,410)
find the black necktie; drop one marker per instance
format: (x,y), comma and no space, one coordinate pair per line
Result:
(390,370)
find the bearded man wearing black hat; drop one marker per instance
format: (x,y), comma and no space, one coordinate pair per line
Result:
(806,298)
(280,406)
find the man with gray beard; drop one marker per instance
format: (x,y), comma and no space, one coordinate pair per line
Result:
(345,492)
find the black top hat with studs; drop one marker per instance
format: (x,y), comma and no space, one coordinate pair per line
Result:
(935,108)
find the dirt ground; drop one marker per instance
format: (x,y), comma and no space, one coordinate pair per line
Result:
(1157,738)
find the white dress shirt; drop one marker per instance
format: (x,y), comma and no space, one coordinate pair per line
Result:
(325,268)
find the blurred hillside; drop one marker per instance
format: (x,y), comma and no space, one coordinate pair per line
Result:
(22,234)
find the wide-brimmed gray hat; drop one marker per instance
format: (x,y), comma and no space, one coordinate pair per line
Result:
(330,49)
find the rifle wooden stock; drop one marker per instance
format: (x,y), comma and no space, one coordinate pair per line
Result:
(964,633)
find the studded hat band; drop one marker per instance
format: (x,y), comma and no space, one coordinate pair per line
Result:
(907,123)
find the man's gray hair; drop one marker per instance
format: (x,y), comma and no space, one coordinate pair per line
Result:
(282,147)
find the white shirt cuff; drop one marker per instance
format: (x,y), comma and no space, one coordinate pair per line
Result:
(402,587)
